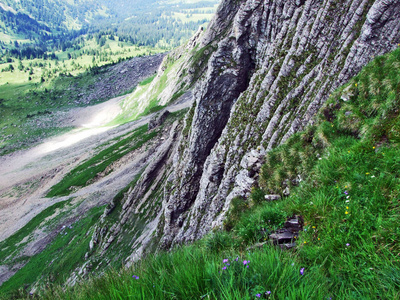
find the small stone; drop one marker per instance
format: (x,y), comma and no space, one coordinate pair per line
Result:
(286,191)
(287,246)
(272,197)
(282,237)
(158,119)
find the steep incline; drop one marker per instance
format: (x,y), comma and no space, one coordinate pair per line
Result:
(258,74)
(297,53)
(276,62)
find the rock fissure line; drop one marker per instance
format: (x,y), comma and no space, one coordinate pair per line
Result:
(258,74)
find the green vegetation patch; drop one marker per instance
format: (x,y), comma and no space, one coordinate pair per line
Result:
(200,59)
(84,173)
(147,80)
(59,258)
(266,273)
(143,94)
(12,245)
(152,108)
(342,174)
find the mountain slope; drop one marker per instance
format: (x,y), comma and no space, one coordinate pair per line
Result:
(270,67)
(343,180)
(260,73)
(168,23)
(257,75)
(58,14)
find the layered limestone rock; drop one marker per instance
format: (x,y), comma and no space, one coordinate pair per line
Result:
(258,74)
(174,77)
(275,64)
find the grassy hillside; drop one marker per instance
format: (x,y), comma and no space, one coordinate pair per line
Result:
(84,173)
(50,25)
(348,195)
(34,92)
(65,229)
(56,14)
(73,241)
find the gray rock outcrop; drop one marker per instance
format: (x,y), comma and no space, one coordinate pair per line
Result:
(158,119)
(258,74)
(275,64)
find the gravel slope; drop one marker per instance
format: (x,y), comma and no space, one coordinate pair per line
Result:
(27,175)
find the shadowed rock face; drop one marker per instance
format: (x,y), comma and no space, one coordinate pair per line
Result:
(275,65)
(260,72)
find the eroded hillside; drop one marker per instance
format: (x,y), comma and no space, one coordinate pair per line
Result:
(267,68)
(257,75)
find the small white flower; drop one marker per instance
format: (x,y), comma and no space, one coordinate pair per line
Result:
(347,197)
(347,201)
(320,158)
(372,176)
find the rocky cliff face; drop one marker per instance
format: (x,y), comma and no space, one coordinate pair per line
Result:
(276,62)
(258,74)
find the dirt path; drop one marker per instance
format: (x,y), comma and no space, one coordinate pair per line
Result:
(26,176)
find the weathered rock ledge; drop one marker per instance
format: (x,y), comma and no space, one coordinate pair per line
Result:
(258,74)
(276,63)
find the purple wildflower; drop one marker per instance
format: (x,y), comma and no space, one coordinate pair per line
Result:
(301,271)
(268,292)
(245,262)
(225,260)
(347,244)
(346,192)
(237,258)
(258,295)
(135,277)
(224,268)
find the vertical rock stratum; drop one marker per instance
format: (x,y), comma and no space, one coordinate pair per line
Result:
(257,75)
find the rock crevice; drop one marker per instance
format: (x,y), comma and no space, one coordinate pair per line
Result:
(258,74)
(276,64)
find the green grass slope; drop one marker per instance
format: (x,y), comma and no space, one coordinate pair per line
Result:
(29,106)
(348,162)
(84,173)
(58,259)
(62,232)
